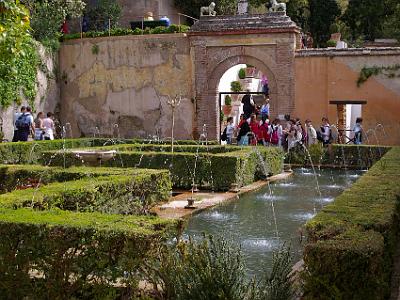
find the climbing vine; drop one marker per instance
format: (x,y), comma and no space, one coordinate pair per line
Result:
(18,56)
(388,71)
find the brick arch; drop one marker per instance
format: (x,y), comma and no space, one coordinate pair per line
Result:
(214,78)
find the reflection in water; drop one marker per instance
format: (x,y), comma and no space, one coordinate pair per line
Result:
(249,220)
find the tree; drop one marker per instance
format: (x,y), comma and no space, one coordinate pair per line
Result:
(391,27)
(365,18)
(48,17)
(299,12)
(102,13)
(322,15)
(18,58)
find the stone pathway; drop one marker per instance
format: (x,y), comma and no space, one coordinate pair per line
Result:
(175,208)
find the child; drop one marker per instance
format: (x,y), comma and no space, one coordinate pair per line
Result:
(230,129)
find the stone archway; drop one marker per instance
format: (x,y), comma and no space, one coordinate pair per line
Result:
(218,43)
(230,62)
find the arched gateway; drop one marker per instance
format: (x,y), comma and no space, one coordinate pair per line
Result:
(267,42)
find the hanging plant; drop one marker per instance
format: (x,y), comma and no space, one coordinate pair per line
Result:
(388,71)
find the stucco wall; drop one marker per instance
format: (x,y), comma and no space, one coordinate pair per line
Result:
(128,83)
(325,75)
(47,97)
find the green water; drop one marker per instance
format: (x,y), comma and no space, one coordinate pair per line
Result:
(249,221)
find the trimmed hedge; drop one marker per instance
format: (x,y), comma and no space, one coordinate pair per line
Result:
(215,171)
(65,255)
(30,152)
(125,31)
(133,192)
(351,241)
(359,156)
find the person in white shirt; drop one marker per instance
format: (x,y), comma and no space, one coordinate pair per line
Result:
(311,133)
(326,131)
(16,116)
(230,129)
(48,124)
(358,131)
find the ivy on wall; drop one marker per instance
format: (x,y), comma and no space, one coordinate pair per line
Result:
(18,56)
(388,71)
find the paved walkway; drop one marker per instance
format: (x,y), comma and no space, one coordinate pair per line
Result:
(175,208)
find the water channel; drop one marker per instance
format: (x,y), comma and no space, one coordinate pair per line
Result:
(249,220)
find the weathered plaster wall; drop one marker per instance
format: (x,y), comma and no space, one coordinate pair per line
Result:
(126,81)
(47,98)
(325,75)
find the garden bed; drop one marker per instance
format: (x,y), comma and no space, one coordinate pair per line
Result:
(351,241)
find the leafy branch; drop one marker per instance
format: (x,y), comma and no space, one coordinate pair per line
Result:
(388,71)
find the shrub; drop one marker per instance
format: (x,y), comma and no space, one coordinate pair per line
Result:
(64,255)
(242,73)
(236,86)
(215,171)
(352,240)
(211,269)
(228,100)
(331,43)
(132,192)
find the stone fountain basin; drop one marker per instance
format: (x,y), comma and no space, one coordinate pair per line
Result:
(95,156)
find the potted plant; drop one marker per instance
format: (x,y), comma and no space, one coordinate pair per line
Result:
(227,108)
(250,71)
(236,86)
(331,44)
(242,73)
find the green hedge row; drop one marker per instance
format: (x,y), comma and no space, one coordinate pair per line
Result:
(214,171)
(361,156)
(352,240)
(30,152)
(65,255)
(133,192)
(125,31)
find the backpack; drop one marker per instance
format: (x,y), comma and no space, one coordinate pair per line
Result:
(274,136)
(224,137)
(319,136)
(23,122)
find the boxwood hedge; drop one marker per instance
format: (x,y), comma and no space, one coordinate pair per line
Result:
(351,241)
(133,193)
(215,171)
(65,255)
(30,152)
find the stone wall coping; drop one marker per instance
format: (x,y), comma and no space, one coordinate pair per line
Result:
(244,23)
(125,37)
(348,52)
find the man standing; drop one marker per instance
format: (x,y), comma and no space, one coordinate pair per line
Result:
(248,105)
(16,116)
(25,125)
(326,131)
(311,133)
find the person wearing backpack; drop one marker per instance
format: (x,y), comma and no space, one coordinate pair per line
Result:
(16,116)
(275,133)
(25,125)
(326,131)
(265,110)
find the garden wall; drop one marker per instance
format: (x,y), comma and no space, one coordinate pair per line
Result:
(351,241)
(48,93)
(323,75)
(127,81)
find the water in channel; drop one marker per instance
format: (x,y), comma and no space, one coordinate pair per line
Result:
(249,221)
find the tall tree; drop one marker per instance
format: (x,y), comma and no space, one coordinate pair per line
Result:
(299,12)
(365,18)
(323,14)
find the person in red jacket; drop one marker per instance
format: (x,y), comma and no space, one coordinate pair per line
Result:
(264,136)
(254,126)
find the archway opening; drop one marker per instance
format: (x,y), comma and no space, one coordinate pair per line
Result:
(243,90)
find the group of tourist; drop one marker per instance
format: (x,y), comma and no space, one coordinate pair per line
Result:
(255,128)
(41,127)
